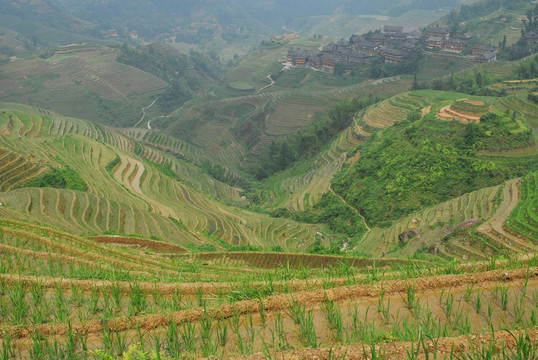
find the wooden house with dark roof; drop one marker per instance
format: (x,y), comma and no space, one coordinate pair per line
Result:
(455,45)
(434,42)
(328,61)
(300,58)
(485,57)
(443,33)
(479,49)
(366,47)
(392,55)
(378,39)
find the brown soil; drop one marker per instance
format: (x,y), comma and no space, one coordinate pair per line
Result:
(5,132)
(447,113)
(475,102)
(442,347)
(281,302)
(425,111)
(355,158)
(142,243)
(494,228)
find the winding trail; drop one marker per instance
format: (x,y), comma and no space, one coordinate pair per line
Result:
(271,84)
(494,228)
(354,209)
(144,114)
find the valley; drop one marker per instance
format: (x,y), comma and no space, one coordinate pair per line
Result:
(336,181)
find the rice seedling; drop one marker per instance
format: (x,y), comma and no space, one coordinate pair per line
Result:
(137,300)
(504,297)
(188,337)
(208,346)
(38,345)
(115,293)
(82,337)
(222,332)
(333,314)
(8,351)
(468,293)
(251,334)
(172,344)
(77,295)
(525,349)
(107,306)
(449,305)
(296,311)
(107,338)
(17,304)
(375,354)
(307,330)
(411,299)
(278,329)
(478,301)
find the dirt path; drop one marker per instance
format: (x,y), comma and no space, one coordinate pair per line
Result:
(494,228)
(354,209)
(144,114)
(271,84)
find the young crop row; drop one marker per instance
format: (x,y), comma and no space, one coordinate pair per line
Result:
(406,311)
(524,218)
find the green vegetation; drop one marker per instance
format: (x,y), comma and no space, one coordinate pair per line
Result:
(416,164)
(62,178)
(330,210)
(174,68)
(309,140)
(523,218)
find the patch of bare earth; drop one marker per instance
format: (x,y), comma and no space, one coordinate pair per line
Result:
(140,243)
(447,113)
(441,348)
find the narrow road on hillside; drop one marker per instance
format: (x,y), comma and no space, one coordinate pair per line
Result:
(144,114)
(352,207)
(495,229)
(266,86)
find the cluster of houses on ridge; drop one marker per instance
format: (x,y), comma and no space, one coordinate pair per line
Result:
(392,43)
(440,38)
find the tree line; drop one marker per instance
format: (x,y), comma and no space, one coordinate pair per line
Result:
(309,139)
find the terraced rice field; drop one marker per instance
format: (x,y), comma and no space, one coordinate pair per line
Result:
(94,68)
(79,297)
(434,223)
(442,64)
(524,218)
(280,260)
(131,188)
(387,112)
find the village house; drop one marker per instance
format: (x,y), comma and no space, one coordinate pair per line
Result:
(378,39)
(485,57)
(300,58)
(443,33)
(434,42)
(328,61)
(454,45)
(479,49)
(364,46)
(392,55)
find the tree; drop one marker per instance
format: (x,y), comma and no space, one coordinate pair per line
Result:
(339,69)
